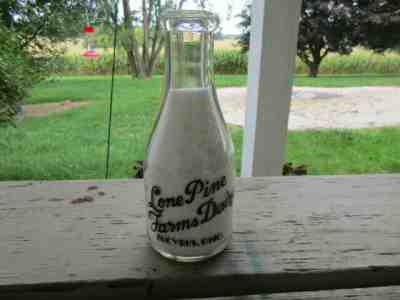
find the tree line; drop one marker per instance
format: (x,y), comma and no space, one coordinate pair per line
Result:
(337,26)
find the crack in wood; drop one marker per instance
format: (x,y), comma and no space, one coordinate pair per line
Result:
(56,199)
(389,253)
(92,188)
(20,185)
(84,199)
(353,250)
(149,289)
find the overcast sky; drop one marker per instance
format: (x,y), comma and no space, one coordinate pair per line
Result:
(221,7)
(228,17)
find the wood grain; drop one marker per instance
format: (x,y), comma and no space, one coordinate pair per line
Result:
(381,293)
(291,234)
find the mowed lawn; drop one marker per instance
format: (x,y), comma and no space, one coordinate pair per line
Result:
(72,144)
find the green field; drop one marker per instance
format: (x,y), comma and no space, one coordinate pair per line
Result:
(71,145)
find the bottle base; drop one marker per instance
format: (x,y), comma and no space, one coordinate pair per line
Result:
(191,259)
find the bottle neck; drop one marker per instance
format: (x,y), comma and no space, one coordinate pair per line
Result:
(189,59)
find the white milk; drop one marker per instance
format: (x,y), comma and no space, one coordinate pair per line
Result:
(189,177)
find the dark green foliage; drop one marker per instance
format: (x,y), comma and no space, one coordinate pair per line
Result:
(40,22)
(28,30)
(328,26)
(325,26)
(245,22)
(378,23)
(18,71)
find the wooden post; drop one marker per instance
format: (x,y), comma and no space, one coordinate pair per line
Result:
(271,65)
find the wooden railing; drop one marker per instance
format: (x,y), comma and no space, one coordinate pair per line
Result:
(87,240)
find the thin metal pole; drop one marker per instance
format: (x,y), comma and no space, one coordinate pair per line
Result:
(107,175)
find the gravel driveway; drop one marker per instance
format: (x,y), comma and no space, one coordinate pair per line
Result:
(313,108)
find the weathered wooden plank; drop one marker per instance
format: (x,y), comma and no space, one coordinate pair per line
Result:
(271,65)
(87,238)
(381,293)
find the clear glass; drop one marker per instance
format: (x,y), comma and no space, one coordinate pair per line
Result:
(189,171)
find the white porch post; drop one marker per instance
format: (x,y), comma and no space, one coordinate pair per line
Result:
(271,65)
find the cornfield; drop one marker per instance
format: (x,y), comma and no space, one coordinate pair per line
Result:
(232,61)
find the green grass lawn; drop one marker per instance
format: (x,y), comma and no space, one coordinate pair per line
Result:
(71,145)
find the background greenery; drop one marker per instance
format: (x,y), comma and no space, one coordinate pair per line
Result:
(71,145)
(231,60)
(18,72)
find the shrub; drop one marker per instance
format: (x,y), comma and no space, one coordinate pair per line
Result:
(12,84)
(18,71)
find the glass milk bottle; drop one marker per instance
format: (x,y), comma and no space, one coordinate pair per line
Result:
(189,171)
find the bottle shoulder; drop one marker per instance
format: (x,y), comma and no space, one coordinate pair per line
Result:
(190,130)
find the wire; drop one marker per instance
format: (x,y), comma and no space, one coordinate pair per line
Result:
(107,174)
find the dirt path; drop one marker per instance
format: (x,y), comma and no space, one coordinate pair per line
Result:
(44,109)
(313,108)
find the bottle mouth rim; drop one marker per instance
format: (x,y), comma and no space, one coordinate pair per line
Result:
(173,16)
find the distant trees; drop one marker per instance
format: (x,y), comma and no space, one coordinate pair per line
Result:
(140,30)
(39,23)
(328,26)
(142,56)
(325,26)
(244,24)
(378,23)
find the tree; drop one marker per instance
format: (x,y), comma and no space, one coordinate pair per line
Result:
(38,24)
(378,23)
(142,36)
(325,26)
(142,59)
(244,39)
(15,74)
(28,29)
